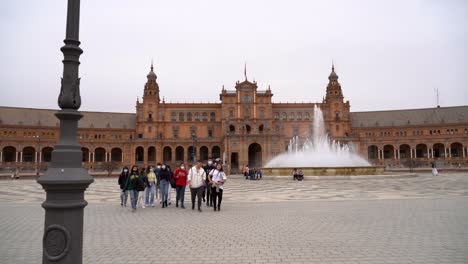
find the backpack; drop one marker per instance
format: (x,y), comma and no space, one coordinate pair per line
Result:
(140,184)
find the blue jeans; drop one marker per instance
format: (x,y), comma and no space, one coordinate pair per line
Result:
(163,187)
(180,192)
(150,191)
(133,198)
(123,197)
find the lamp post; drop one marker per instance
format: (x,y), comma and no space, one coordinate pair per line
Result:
(66,180)
(194,142)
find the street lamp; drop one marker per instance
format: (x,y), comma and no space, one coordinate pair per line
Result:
(194,142)
(66,180)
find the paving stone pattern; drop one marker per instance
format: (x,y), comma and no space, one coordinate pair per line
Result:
(405,220)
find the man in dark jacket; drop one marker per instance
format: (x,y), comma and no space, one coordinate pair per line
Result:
(209,166)
(122,180)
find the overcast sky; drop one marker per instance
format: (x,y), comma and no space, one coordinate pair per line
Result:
(388,54)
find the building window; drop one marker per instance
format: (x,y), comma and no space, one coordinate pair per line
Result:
(276,115)
(175,132)
(231,113)
(205,116)
(197,116)
(291,116)
(150,116)
(262,113)
(212,116)
(307,116)
(181,117)
(299,115)
(284,116)
(140,136)
(232,128)
(210,132)
(189,116)
(174,116)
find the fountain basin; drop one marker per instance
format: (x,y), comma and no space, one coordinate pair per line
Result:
(326,171)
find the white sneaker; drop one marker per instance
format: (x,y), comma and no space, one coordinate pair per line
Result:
(143,206)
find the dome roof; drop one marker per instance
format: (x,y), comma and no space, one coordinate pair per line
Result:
(151,74)
(333,76)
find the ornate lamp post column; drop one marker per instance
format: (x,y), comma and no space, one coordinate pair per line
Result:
(194,138)
(66,180)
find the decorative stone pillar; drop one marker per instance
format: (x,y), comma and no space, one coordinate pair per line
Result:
(463,148)
(395,154)
(21,156)
(428,153)
(1,155)
(16,156)
(411,153)
(40,157)
(450,152)
(89,156)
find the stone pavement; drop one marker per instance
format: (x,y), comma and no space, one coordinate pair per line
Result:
(404,220)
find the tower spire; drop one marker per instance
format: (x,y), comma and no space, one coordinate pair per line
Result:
(333,66)
(151,64)
(245,70)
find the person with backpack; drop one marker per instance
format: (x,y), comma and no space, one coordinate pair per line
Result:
(196,181)
(165,175)
(208,168)
(151,187)
(141,188)
(217,179)
(180,176)
(133,180)
(122,180)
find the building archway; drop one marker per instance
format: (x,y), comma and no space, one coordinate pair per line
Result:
(47,154)
(85,154)
(388,152)
(29,154)
(139,154)
(9,154)
(372,152)
(439,150)
(179,154)
(167,154)
(100,155)
(456,150)
(152,154)
(204,153)
(116,155)
(255,155)
(405,151)
(421,151)
(216,152)
(232,129)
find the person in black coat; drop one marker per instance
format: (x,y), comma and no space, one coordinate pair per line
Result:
(122,180)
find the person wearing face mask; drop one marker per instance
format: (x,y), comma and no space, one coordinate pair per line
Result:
(165,176)
(217,179)
(180,175)
(131,186)
(151,187)
(141,187)
(208,168)
(196,181)
(122,180)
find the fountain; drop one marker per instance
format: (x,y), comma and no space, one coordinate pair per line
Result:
(319,155)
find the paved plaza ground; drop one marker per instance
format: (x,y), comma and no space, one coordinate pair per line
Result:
(420,219)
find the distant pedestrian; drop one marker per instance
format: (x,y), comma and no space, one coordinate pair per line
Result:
(158,179)
(217,179)
(294,172)
(246,172)
(258,174)
(151,188)
(180,176)
(196,181)
(133,180)
(434,170)
(165,176)
(122,180)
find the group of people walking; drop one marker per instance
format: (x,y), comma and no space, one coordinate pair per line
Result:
(147,186)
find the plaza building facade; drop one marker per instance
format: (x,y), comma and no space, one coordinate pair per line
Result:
(245,127)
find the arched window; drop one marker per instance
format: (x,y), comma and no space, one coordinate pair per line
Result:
(276,115)
(189,116)
(248,129)
(174,116)
(205,116)
(181,116)
(260,129)
(212,116)
(284,116)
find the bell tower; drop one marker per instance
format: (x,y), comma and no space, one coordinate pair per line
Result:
(151,92)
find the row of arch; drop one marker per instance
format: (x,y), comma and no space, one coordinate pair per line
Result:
(180,153)
(27,154)
(404,151)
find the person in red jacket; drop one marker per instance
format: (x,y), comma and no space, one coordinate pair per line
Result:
(180,175)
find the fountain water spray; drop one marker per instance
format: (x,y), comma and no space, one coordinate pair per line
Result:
(317,151)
